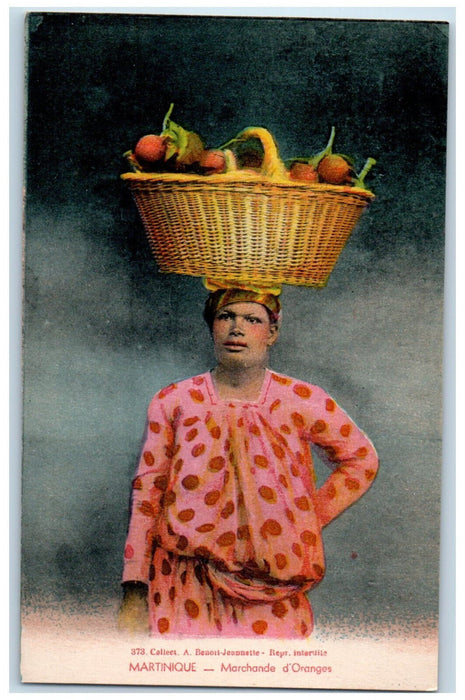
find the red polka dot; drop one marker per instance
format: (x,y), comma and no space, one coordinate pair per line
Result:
(275,405)
(165,567)
(308,537)
(370,474)
(278,450)
(281,380)
(295,471)
(279,609)
(294,601)
(227,510)
(267,494)
(167,390)
(318,427)
(290,515)
(271,527)
(302,503)
(330,405)
(169,498)
(260,626)
(362,452)
(302,390)
(154,426)
(261,461)
(212,497)
(149,459)
(190,482)
(198,380)
(190,421)
(226,539)
(193,432)
(303,628)
(196,395)
(283,480)
(215,432)
(178,465)
(129,551)
(172,593)
(206,527)
(198,450)
(345,430)
(297,549)
(319,571)
(281,560)
(186,515)
(216,464)
(285,429)
(137,484)
(297,419)
(146,508)
(254,429)
(191,608)
(161,482)
(269,591)
(182,543)
(331,491)
(240,422)
(172,450)
(163,625)
(157,598)
(352,484)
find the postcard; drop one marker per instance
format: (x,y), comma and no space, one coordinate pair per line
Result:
(233,313)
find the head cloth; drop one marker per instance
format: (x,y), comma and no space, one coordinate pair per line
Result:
(222,297)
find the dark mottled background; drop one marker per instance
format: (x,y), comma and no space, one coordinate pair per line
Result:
(103,330)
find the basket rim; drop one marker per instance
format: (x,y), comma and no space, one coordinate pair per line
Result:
(240,178)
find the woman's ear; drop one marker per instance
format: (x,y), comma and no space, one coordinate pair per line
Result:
(273,334)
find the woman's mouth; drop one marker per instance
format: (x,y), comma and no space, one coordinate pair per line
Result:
(234,344)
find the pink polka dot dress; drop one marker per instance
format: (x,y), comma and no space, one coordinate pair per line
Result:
(226,519)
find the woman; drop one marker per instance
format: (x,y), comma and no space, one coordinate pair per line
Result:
(225,529)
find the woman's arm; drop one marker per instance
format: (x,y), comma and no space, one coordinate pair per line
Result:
(148,486)
(348,451)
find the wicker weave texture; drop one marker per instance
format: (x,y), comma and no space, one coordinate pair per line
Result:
(257,232)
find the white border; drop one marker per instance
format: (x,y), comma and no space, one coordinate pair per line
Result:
(10,299)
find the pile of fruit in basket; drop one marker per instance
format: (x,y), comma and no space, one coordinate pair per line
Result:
(176,150)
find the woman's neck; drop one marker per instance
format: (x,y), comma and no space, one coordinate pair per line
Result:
(239,382)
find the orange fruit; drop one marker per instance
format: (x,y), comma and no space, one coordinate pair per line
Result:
(151,148)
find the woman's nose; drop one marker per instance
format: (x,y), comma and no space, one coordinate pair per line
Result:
(236,325)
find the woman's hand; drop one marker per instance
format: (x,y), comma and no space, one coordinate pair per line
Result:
(133,618)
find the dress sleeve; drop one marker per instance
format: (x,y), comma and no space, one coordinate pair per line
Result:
(347,451)
(148,486)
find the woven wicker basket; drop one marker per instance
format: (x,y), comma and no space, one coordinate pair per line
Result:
(246,227)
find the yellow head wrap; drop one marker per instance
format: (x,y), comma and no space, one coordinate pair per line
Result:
(223,297)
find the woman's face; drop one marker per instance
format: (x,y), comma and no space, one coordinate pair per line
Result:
(242,334)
